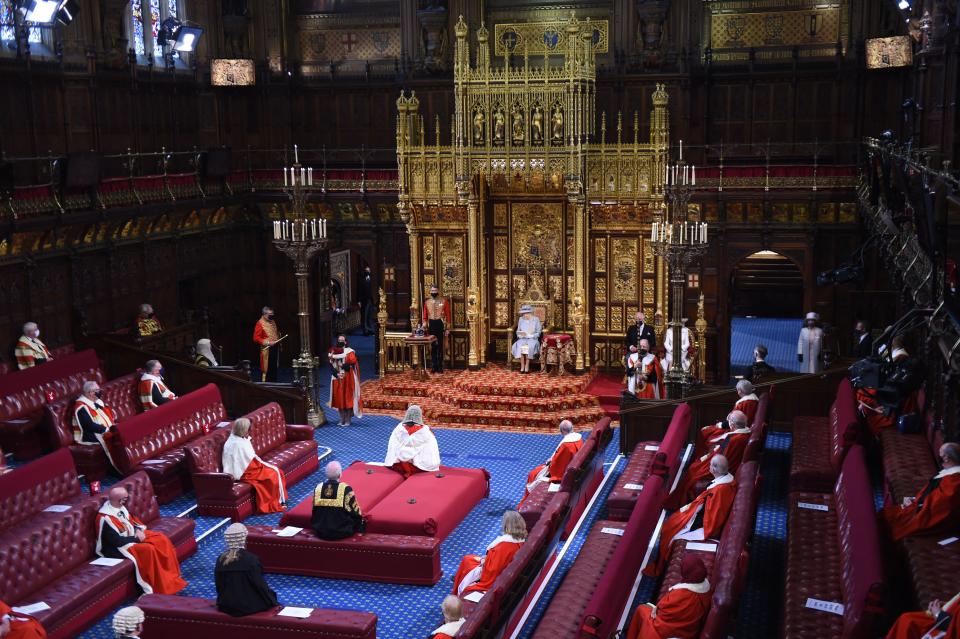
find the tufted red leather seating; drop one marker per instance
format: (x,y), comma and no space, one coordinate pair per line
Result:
(24,393)
(727,566)
(909,460)
(154,441)
(58,352)
(621,500)
(835,556)
(821,443)
(49,561)
(194,618)
(933,568)
(27,490)
(57,426)
(517,579)
(402,559)
(581,478)
(290,447)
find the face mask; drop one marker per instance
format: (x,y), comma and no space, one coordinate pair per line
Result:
(270,316)
(643,351)
(434,294)
(98,393)
(160,373)
(36,334)
(342,344)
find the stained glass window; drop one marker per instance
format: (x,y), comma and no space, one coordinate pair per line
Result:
(7,23)
(154,26)
(136,11)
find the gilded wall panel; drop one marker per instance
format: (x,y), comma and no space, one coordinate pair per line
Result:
(600,317)
(427,252)
(616,319)
(556,287)
(501,287)
(624,265)
(500,214)
(649,263)
(451,264)
(537,231)
(539,38)
(600,289)
(600,254)
(500,252)
(649,286)
(501,314)
(797,23)
(519,285)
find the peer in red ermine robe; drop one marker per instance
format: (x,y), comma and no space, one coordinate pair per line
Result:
(872,411)
(154,559)
(652,373)
(747,404)
(477,574)
(731,445)
(269,482)
(703,518)
(681,611)
(448,630)
(554,469)
(936,507)
(21,626)
(914,625)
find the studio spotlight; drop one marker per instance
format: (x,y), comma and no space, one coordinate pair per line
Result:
(40,11)
(68,11)
(904,5)
(187,39)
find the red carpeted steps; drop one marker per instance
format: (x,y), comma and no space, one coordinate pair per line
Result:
(493,398)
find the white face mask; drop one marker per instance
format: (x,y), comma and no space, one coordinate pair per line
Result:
(36,334)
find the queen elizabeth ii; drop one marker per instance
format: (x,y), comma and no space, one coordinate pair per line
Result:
(527,345)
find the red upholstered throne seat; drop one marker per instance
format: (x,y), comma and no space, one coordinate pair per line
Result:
(24,393)
(57,426)
(154,441)
(290,447)
(48,560)
(821,443)
(193,618)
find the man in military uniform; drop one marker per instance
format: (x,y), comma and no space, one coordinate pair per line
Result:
(436,319)
(266,335)
(336,513)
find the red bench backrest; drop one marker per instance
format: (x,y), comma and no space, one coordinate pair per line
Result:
(844,424)
(268,428)
(25,392)
(168,426)
(34,486)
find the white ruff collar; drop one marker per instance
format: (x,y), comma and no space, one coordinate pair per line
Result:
(113,511)
(155,378)
(701,588)
(719,481)
(451,627)
(504,539)
(98,404)
(953,470)
(738,431)
(571,438)
(752,397)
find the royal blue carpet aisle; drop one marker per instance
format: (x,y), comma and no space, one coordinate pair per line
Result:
(777,334)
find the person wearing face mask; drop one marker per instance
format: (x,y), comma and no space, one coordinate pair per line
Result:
(641,330)
(809,344)
(436,319)
(759,369)
(266,334)
(365,297)
(862,340)
(651,372)
(30,351)
(152,389)
(147,322)
(93,420)
(344,381)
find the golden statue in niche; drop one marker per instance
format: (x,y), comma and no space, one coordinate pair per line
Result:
(537,125)
(498,126)
(517,125)
(557,134)
(478,124)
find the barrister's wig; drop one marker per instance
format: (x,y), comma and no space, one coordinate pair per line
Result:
(127,621)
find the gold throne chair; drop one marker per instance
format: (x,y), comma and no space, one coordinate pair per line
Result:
(542,308)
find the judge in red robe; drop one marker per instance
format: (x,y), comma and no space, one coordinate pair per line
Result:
(345,381)
(703,518)
(241,462)
(651,372)
(681,611)
(747,403)
(476,573)
(938,618)
(14,625)
(730,444)
(412,447)
(936,507)
(452,618)
(120,535)
(556,466)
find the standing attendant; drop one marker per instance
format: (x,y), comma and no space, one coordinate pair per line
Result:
(266,335)
(759,369)
(809,344)
(527,345)
(365,295)
(30,351)
(242,463)
(862,340)
(651,372)
(436,319)
(686,350)
(344,381)
(640,331)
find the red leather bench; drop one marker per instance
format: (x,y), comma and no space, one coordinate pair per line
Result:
(909,460)
(595,589)
(154,441)
(441,503)
(290,447)
(622,498)
(401,559)
(57,426)
(24,393)
(727,565)
(843,544)
(49,561)
(193,618)
(27,490)
(58,352)
(821,443)
(512,586)
(581,478)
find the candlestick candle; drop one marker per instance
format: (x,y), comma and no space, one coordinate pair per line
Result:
(296,155)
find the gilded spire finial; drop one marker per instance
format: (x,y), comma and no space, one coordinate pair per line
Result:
(660,96)
(461,28)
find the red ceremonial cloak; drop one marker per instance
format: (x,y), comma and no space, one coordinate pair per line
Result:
(654,388)
(345,391)
(154,559)
(936,507)
(22,626)
(679,613)
(731,445)
(553,470)
(914,625)
(481,572)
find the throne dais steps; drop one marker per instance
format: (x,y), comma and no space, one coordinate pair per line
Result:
(493,398)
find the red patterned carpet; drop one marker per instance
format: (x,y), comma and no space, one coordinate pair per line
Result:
(492,399)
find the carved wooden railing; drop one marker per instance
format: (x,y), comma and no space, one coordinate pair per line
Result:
(396,353)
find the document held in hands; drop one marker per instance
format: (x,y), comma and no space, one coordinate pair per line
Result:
(293,611)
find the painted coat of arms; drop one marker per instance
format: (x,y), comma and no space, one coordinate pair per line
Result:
(381,41)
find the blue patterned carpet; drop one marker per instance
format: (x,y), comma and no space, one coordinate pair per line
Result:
(778,335)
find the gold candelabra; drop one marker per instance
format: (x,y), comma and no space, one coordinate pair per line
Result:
(301,239)
(679,241)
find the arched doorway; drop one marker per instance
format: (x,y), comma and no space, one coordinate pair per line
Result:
(766,304)
(766,284)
